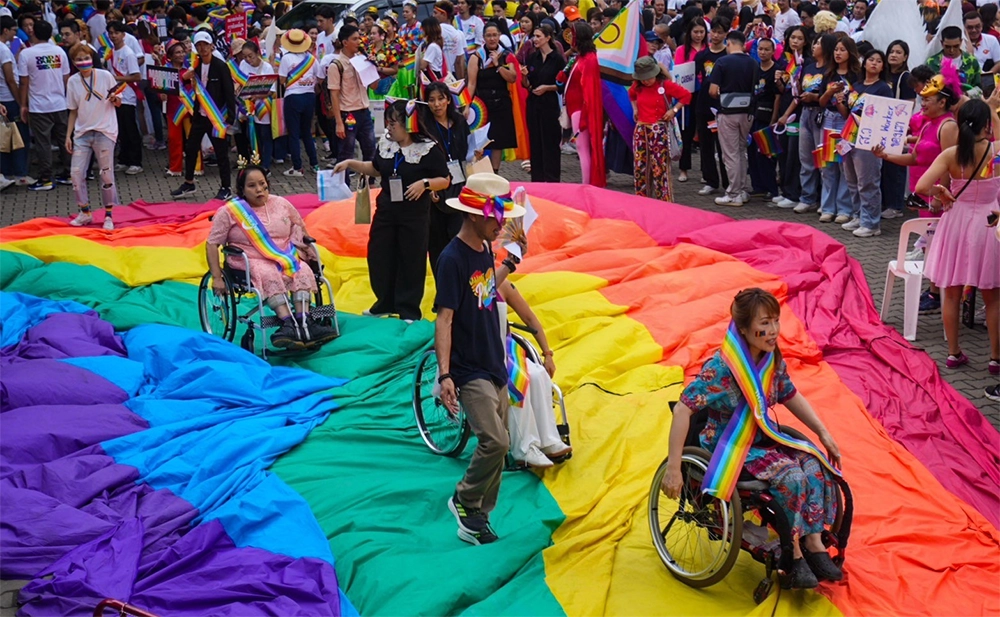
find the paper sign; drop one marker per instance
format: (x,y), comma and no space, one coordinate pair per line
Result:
(378,115)
(164,79)
(884,122)
(332,186)
(478,140)
(367,72)
(519,226)
(236,26)
(258,84)
(684,75)
(161,27)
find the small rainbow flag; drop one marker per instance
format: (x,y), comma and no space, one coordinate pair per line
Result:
(818,161)
(767,142)
(476,114)
(286,260)
(792,67)
(408,62)
(14,5)
(107,47)
(517,372)
(238,75)
(850,130)
(470,48)
(830,139)
(118,89)
(515,30)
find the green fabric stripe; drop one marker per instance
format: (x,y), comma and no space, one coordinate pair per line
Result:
(378,493)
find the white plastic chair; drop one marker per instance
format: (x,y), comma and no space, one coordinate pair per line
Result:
(911,272)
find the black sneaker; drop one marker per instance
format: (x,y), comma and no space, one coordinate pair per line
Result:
(822,566)
(285,336)
(801,576)
(63,180)
(91,176)
(320,334)
(185,189)
(41,185)
(473,526)
(993,392)
(211,161)
(224,194)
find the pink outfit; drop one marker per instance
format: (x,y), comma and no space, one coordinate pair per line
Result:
(681,56)
(927,148)
(964,251)
(284,223)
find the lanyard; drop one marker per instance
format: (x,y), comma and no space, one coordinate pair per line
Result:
(396,161)
(447,144)
(90,86)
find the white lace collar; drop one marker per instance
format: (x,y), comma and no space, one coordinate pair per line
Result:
(411,153)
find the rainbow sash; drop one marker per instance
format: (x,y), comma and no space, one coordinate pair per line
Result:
(517,372)
(299,71)
(286,260)
(238,76)
(211,109)
(186,96)
(755,383)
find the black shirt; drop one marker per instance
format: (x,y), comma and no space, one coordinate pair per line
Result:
(859,89)
(431,165)
(847,79)
(900,84)
(766,91)
(735,74)
(543,73)
(466,283)
(812,81)
(704,65)
(454,142)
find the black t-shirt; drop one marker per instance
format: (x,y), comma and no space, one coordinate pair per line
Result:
(466,283)
(704,66)
(431,165)
(847,79)
(735,74)
(454,141)
(859,89)
(812,81)
(900,84)
(766,92)
(543,73)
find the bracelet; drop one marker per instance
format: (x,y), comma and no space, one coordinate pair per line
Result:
(511,266)
(445,376)
(514,258)
(547,354)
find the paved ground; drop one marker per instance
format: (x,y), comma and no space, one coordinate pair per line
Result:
(18,204)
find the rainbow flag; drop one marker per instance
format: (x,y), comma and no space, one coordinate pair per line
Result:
(238,75)
(619,44)
(408,62)
(517,372)
(829,146)
(460,93)
(107,47)
(818,161)
(515,30)
(767,142)
(14,5)
(792,67)
(850,130)
(118,89)
(286,260)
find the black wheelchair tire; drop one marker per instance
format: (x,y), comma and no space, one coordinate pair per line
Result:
(453,447)
(204,289)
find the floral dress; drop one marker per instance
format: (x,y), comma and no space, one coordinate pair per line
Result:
(799,482)
(285,226)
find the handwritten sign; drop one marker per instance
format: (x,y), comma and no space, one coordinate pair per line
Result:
(684,75)
(164,79)
(258,84)
(884,122)
(236,26)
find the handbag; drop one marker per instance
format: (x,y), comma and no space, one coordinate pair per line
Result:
(564,121)
(916,202)
(363,203)
(675,143)
(10,136)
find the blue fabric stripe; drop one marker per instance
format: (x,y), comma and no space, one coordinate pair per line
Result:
(19,312)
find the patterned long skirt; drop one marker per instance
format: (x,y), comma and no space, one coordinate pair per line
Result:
(653,176)
(801,486)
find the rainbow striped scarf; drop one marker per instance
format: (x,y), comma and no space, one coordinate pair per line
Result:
(287,260)
(517,372)
(186,96)
(755,383)
(299,71)
(212,111)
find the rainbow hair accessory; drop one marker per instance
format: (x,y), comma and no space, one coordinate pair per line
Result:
(517,372)
(497,206)
(476,114)
(755,382)
(460,93)
(286,260)
(412,122)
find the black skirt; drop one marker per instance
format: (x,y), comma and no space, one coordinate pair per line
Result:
(500,112)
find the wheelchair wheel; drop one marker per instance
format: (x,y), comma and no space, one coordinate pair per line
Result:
(443,432)
(697,536)
(217,312)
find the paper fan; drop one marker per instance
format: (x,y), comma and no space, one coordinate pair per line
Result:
(476,114)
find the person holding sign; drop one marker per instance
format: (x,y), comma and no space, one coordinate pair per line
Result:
(349,98)
(258,105)
(801,477)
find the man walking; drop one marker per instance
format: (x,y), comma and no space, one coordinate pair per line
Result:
(732,82)
(349,98)
(469,348)
(44,69)
(125,68)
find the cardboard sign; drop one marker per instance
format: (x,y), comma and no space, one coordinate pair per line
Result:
(258,84)
(164,79)
(884,122)
(236,26)
(684,75)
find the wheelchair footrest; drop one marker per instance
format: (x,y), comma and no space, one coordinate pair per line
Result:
(323,311)
(271,321)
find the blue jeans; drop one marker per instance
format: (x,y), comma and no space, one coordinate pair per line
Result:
(299,111)
(362,132)
(810,138)
(864,171)
(103,150)
(15,164)
(893,186)
(836,193)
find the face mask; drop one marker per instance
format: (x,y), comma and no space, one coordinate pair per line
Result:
(84,65)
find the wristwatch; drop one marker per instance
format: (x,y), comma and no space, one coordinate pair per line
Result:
(427,184)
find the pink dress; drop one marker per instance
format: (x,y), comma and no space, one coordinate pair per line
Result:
(927,148)
(964,251)
(284,223)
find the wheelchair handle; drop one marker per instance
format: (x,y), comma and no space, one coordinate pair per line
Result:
(232,250)
(309,239)
(518,326)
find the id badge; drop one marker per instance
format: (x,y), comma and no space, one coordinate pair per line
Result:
(395,188)
(455,169)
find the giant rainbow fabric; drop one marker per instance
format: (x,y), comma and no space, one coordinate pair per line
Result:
(146,461)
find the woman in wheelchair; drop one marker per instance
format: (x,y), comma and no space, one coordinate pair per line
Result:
(270,232)
(746,376)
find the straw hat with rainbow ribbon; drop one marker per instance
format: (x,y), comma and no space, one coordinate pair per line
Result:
(487,195)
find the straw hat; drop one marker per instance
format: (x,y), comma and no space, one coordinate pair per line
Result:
(296,41)
(486,195)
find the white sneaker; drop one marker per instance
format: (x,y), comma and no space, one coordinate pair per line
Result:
(294,173)
(83,218)
(892,213)
(200,172)
(778,199)
(24,181)
(785,203)
(109,225)
(826,217)
(726,200)
(915,255)
(852,224)
(567,148)
(535,458)
(683,177)
(866,232)
(133,170)
(173,174)
(120,167)
(557,450)
(803,207)
(841,219)
(706,190)
(5,182)
(744,197)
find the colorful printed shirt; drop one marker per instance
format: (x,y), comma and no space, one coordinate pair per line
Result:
(968,68)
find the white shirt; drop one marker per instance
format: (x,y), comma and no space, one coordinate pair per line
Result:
(133,43)
(855,24)
(98,25)
(307,83)
(6,57)
(988,49)
(472,28)
(433,56)
(454,44)
(95,114)
(124,63)
(265,68)
(46,66)
(324,47)
(843,26)
(784,21)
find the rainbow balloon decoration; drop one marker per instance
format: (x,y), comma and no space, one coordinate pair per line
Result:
(212,470)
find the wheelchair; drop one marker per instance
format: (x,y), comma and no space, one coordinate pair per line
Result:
(446,433)
(220,313)
(698,537)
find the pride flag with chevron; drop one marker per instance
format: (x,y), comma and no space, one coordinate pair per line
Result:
(619,44)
